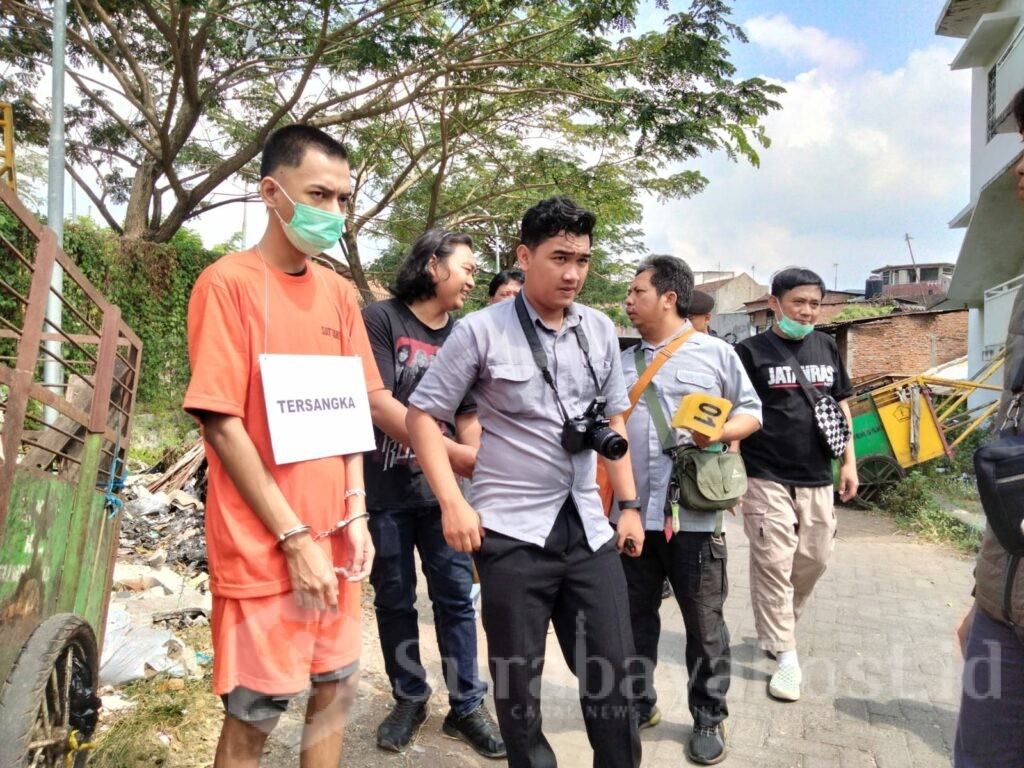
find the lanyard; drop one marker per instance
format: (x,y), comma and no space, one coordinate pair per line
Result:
(541,359)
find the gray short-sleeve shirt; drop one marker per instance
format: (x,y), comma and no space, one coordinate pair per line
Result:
(523,475)
(702,364)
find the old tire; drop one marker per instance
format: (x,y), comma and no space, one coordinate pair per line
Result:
(876,473)
(50,691)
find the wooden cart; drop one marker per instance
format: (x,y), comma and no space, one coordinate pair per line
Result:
(62,448)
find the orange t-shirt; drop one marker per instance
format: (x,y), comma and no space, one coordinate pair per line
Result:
(241,308)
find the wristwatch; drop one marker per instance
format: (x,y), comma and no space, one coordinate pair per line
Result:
(629,504)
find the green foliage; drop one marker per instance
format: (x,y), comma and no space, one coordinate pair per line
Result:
(908,498)
(457,113)
(913,504)
(859,312)
(962,462)
(151,283)
(160,434)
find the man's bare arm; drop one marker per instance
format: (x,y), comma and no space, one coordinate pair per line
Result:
(389,416)
(461,523)
(312,574)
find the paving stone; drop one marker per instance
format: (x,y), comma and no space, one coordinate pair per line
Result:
(875,640)
(820,761)
(851,757)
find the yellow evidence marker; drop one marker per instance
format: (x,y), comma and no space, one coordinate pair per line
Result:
(702,413)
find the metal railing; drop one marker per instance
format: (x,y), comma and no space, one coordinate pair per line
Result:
(97,353)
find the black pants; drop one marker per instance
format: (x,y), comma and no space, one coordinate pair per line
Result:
(583,594)
(695,564)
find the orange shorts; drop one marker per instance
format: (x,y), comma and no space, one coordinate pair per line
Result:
(272,646)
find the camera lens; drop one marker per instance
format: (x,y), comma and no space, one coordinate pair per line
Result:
(609,443)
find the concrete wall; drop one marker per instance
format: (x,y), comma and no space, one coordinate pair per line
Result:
(731,326)
(989,157)
(731,296)
(906,344)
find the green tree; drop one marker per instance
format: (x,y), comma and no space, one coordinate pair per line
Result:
(471,107)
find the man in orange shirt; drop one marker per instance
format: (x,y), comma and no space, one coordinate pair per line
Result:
(286,608)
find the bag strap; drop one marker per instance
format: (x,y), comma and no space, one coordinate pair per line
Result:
(541,359)
(660,358)
(1011,571)
(655,407)
(794,365)
(665,435)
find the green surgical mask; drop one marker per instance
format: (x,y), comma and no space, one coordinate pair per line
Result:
(794,330)
(311,230)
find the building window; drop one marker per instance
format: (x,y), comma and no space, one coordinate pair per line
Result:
(929,273)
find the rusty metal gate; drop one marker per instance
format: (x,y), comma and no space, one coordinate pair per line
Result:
(62,451)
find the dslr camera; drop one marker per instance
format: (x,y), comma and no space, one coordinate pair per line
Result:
(591,430)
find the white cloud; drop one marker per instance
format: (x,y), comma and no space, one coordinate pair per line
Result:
(801,44)
(858,159)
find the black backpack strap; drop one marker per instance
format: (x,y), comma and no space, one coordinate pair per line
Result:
(1017,384)
(1011,572)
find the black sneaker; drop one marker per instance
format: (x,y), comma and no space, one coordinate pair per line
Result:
(707,744)
(477,729)
(666,589)
(401,724)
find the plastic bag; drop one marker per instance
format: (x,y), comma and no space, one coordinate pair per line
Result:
(138,653)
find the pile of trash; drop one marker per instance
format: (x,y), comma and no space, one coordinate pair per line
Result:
(165,513)
(161,578)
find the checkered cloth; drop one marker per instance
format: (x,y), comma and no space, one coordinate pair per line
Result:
(832,425)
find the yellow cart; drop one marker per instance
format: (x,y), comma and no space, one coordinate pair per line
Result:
(899,423)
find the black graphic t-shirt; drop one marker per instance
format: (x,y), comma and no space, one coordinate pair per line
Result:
(404,348)
(787,448)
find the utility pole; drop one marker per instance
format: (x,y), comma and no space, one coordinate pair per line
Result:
(53,372)
(835,275)
(908,238)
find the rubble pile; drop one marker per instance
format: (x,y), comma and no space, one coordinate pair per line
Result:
(161,579)
(163,516)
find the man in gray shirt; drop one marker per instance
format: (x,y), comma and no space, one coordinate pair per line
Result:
(544,550)
(689,546)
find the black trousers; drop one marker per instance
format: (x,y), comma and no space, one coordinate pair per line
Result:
(695,564)
(583,594)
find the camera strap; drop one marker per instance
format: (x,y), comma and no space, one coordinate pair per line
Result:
(541,359)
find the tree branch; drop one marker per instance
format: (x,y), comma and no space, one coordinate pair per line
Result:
(97,201)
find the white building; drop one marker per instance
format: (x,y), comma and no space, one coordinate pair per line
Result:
(990,268)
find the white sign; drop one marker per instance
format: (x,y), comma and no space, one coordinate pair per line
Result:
(316,406)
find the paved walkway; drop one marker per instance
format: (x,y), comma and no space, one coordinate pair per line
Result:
(881,677)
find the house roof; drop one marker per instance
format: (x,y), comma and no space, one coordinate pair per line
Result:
(828,327)
(831,297)
(914,266)
(714,285)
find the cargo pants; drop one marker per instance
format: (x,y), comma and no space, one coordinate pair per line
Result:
(791,531)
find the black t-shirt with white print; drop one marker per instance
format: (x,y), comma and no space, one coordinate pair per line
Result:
(404,348)
(787,448)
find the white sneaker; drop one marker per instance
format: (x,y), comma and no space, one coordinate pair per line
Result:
(785,683)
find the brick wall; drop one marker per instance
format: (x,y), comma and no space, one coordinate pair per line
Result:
(908,344)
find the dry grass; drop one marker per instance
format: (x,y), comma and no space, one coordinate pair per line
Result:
(169,726)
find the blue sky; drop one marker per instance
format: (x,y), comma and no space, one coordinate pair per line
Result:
(872,143)
(884,31)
